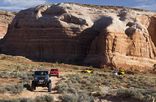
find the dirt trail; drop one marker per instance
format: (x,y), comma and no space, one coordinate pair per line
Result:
(40,91)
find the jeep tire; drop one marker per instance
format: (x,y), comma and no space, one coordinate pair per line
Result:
(33,87)
(49,86)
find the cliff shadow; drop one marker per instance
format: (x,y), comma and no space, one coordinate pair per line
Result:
(0,46)
(95,43)
(152,30)
(39,51)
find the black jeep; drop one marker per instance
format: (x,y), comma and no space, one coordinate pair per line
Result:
(41,78)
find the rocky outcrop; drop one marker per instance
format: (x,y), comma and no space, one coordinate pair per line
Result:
(94,35)
(5,19)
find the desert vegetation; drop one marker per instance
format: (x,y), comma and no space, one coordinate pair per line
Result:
(45,98)
(74,86)
(16,83)
(102,86)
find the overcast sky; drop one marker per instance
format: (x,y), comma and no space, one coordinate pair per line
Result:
(15,5)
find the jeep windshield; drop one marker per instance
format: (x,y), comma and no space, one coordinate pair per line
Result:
(41,72)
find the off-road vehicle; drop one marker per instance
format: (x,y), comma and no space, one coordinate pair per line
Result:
(54,72)
(41,78)
(87,71)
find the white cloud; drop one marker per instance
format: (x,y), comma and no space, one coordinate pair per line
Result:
(19,4)
(147,7)
(146,4)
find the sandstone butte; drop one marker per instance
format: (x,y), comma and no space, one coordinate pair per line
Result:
(84,34)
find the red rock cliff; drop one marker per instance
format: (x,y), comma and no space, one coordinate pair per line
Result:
(86,34)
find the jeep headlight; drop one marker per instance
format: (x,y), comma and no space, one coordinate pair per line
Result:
(46,78)
(36,78)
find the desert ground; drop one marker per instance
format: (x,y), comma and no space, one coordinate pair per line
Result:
(72,85)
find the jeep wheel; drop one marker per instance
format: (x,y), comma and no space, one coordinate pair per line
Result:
(33,87)
(49,87)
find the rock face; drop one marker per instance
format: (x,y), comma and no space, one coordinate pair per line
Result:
(84,34)
(5,19)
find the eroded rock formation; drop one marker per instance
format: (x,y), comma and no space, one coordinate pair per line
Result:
(5,19)
(84,34)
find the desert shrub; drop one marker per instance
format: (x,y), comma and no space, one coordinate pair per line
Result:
(102,84)
(4,74)
(15,74)
(84,97)
(77,83)
(62,88)
(45,98)
(24,78)
(17,100)
(15,89)
(69,98)
(129,93)
(26,100)
(137,94)
(14,100)
(77,97)
(2,90)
